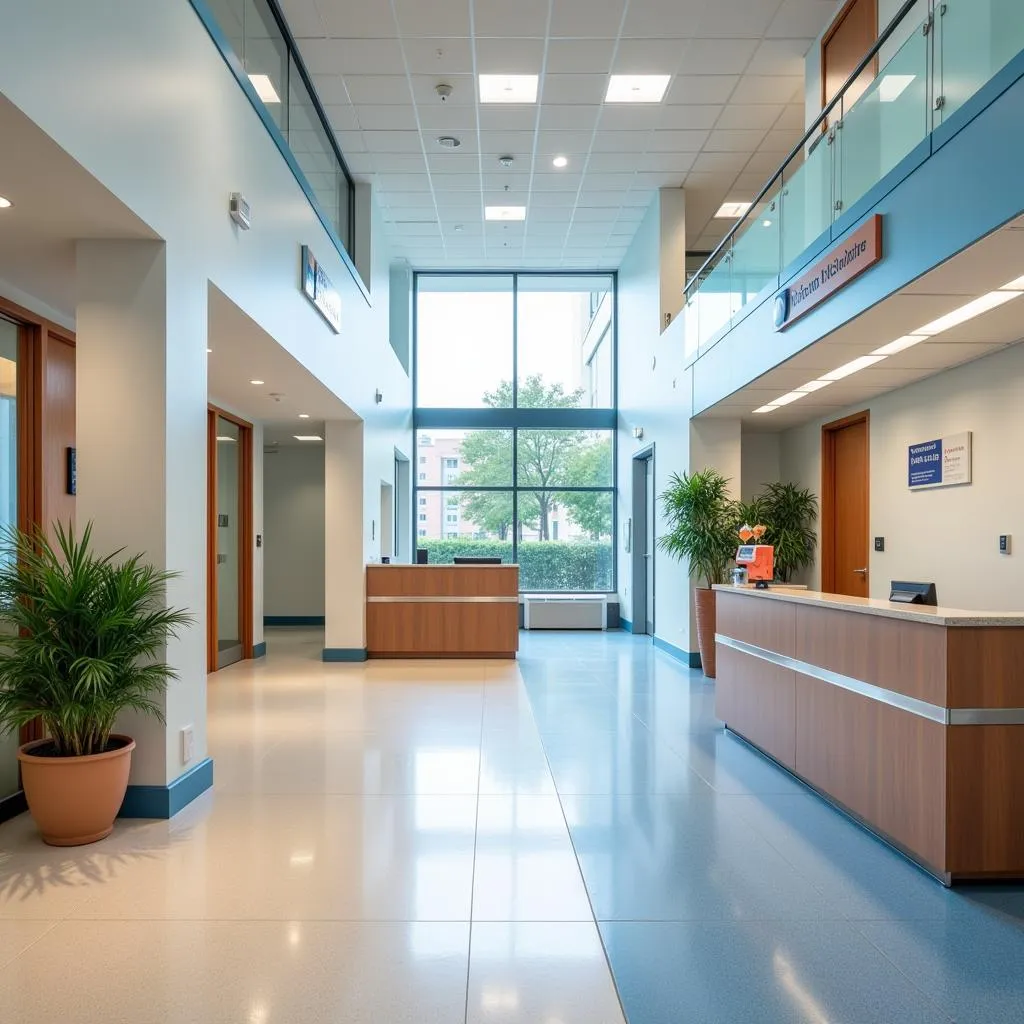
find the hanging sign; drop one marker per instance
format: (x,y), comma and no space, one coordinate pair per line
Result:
(944,462)
(844,264)
(317,287)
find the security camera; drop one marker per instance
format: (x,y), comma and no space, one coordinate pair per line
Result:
(443,90)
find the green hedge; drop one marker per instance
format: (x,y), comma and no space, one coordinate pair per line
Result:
(543,565)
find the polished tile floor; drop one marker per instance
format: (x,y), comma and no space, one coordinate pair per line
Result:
(475,842)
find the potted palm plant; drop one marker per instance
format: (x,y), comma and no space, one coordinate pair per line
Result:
(84,637)
(790,513)
(701,529)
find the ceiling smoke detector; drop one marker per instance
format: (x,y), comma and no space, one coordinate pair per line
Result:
(443,89)
(449,142)
(506,161)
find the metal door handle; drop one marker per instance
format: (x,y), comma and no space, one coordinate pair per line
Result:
(861,572)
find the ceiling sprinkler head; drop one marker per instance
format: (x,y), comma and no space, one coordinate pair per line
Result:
(443,90)
(506,161)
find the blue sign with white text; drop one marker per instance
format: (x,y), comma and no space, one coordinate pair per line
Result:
(924,464)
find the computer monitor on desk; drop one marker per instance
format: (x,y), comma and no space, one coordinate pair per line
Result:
(912,593)
(481,560)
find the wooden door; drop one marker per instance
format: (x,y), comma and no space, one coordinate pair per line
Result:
(845,507)
(843,47)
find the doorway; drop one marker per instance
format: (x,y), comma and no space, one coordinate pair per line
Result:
(229,539)
(843,47)
(845,503)
(642,541)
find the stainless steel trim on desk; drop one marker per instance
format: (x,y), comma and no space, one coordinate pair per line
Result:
(442,599)
(986,716)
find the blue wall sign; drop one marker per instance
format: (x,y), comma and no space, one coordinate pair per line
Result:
(944,462)
(318,288)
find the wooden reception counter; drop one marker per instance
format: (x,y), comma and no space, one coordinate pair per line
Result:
(908,717)
(442,611)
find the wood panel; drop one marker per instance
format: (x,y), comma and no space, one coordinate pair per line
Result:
(985,778)
(58,428)
(884,764)
(845,521)
(757,699)
(986,667)
(906,657)
(442,580)
(442,629)
(767,624)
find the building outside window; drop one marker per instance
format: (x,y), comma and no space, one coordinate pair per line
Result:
(523,437)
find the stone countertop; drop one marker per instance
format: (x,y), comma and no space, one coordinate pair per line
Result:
(939,616)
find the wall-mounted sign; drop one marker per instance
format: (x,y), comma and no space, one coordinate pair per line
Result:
(317,287)
(844,264)
(944,462)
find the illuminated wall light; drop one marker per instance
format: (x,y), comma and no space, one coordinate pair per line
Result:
(855,365)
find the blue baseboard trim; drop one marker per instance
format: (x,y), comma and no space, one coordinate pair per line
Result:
(293,620)
(344,654)
(166,801)
(259,650)
(625,625)
(689,658)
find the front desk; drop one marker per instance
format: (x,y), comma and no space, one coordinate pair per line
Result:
(442,611)
(910,718)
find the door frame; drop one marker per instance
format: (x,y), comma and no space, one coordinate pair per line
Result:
(643,461)
(245,534)
(828,491)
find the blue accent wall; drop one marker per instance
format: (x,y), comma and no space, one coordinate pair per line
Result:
(166,801)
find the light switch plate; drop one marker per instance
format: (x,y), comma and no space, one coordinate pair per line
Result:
(188,744)
(1004,544)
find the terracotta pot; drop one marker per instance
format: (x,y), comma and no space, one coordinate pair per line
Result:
(74,800)
(704,602)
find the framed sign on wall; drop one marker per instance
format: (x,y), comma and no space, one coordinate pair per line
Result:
(943,462)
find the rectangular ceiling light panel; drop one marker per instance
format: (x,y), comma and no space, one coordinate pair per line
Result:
(968,312)
(852,367)
(264,88)
(637,88)
(508,88)
(732,211)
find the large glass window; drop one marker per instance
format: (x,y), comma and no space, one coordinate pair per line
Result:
(515,424)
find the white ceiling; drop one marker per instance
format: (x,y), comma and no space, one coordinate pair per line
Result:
(733,111)
(55,202)
(241,352)
(988,264)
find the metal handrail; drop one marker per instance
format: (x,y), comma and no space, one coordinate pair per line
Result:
(705,268)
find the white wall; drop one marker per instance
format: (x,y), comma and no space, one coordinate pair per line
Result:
(759,463)
(157,117)
(654,393)
(293,542)
(949,535)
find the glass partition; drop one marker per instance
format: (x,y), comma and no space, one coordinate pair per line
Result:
(933,60)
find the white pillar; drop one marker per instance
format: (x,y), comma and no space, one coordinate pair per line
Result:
(141,439)
(344,542)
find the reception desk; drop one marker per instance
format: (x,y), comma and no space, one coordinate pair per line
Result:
(909,718)
(442,611)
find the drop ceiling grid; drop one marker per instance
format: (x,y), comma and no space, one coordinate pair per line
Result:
(736,96)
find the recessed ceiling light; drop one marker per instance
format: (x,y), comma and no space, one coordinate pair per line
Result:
(1016,285)
(303,415)
(257,382)
(813,385)
(264,88)
(853,366)
(5,203)
(225,438)
(636,88)
(307,437)
(505,213)
(900,344)
(449,142)
(508,88)
(764,409)
(730,211)
(891,87)
(766,223)
(967,312)
(561,161)
(789,397)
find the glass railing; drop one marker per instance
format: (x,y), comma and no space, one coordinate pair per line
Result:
(936,57)
(255,35)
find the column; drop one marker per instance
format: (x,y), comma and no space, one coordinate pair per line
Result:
(344,542)
(141,436)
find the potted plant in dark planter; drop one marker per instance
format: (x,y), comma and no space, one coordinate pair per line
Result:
(790,513)
(702,530)
(86,635)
